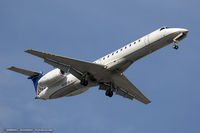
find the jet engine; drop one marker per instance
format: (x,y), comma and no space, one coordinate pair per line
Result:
(52,77)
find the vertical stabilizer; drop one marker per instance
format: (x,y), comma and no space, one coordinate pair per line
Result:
(35,79)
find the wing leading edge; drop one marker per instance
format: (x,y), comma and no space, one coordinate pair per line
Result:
(78,66)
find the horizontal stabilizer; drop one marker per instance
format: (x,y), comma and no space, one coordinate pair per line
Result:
(24,71)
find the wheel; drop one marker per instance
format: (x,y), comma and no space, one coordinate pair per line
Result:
(84,82)
(109,93)
(175,46)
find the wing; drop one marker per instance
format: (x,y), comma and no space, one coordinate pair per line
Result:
(127,89)
(78,67)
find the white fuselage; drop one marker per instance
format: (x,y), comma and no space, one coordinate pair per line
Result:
(118,60)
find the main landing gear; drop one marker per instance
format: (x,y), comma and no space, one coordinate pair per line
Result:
(109,92)
(84,80)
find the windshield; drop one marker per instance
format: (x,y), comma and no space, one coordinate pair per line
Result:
(163,28)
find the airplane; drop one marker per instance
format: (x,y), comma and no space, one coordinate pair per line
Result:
(72,77)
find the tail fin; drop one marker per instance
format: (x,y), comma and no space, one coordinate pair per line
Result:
(34,76)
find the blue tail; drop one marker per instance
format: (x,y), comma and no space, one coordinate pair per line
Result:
(35,80)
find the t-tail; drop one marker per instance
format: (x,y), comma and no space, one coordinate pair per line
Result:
(34,76)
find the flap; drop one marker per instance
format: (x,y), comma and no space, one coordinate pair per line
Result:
(124,94)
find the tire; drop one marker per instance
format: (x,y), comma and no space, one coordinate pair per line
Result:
(109,93)
(84,82)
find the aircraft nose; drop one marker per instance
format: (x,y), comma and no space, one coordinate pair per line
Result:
(177,31)
(184,31)
(180,30)
(180,34)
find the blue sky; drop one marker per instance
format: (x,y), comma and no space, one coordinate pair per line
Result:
(88,30)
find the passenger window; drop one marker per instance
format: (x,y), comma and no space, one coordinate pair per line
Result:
(134,42)
(112,53)
(108,56)
(138,40)
(125,47)
(129,45)
(116,51)
(121,49)
(103,58)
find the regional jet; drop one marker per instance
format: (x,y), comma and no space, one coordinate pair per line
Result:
(72,77)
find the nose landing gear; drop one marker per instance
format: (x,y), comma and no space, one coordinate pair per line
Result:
(178,38)
(175,46)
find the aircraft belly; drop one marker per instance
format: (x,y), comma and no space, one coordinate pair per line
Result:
(62,92)
(77,92)
(70,90)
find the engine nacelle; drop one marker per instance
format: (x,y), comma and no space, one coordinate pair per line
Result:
(51,78)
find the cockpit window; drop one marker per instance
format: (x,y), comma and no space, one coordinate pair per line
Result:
(163,28)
